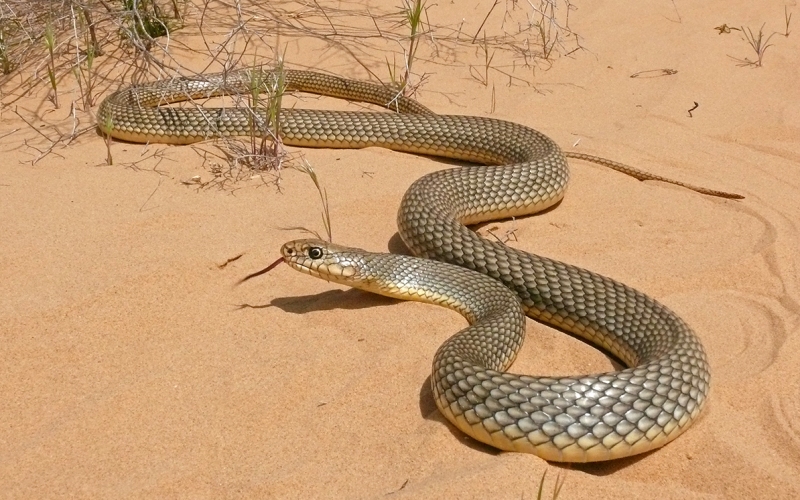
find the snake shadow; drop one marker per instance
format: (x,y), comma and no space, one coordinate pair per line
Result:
(350,299)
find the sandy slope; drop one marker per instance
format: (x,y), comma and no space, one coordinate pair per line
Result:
(130,369)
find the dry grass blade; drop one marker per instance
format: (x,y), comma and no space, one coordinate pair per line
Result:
(787,18)
(556,488)
(548,29)
(483,23)
(487,64)
(307,169)
(50,43)
(83,27)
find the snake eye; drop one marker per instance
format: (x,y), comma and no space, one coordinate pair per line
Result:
(315,252)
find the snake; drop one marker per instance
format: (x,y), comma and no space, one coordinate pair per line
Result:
(513,171)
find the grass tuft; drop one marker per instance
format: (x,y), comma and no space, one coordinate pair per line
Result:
(411,11)
(759,43)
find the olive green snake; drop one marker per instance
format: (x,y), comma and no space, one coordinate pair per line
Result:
(520,172)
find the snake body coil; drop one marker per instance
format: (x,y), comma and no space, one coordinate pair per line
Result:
(575,419)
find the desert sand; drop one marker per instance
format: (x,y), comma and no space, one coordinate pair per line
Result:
(132,367)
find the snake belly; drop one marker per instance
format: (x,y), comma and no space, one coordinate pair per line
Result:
(570,419)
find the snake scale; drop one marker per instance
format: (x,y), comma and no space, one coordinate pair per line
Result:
(521,171)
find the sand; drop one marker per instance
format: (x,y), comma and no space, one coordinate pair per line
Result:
(132,366)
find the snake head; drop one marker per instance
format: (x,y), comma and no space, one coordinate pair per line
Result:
(324,260)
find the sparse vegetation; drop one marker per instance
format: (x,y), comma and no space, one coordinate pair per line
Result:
(545,22)
(57,45)
(86,48)
(758,43)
